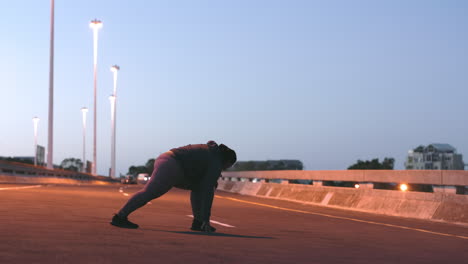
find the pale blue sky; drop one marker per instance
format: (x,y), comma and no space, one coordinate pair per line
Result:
(326,82)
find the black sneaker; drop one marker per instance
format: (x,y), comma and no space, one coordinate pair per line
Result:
(122,222)
(197,226)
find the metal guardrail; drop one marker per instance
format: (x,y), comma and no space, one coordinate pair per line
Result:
(429,177)
(28,170)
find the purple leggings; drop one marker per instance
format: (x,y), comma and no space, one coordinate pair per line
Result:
(167,173)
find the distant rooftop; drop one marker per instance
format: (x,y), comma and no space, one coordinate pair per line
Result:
(439,147)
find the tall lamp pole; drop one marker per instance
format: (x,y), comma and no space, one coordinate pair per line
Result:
(50,142)
(113,99)
(95,26)
(35,122)
(84,110)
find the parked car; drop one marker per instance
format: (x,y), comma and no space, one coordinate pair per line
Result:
(143,178)
(128,179)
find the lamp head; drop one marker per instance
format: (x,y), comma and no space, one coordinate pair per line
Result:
(95,24)
(115,68)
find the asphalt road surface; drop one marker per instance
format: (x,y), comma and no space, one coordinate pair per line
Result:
(70,224)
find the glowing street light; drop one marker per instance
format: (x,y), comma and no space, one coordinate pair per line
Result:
(84,110)
(95,26)
(35,122)
(403,187)
(115,69)
(113,99)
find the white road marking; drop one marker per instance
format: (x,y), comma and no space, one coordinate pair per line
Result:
(215,222)
(125,194)
(19,188)
(344,218)
(120,190)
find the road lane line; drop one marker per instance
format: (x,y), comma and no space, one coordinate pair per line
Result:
(344,218)
(221,224)
(125,194)
(215,222)
(19,188)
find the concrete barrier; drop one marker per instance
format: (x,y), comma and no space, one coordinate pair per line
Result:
(15,172)
(431,206)
(49,180)
(429,177)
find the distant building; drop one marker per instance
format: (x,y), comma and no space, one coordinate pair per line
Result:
(434,157)
(40,155)
(267,165)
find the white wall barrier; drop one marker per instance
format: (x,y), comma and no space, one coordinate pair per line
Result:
(443,204)
(14,172)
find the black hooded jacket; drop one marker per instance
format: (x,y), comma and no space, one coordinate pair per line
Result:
(202,165)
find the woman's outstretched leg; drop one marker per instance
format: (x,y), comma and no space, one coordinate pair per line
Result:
(166,173)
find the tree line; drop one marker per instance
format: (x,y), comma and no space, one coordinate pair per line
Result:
(374,164)
(267,165)
(74,164)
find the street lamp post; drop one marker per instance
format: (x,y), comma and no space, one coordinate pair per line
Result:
(84,110)
(35,122)
(113,99)
(50,143)
(95,26)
